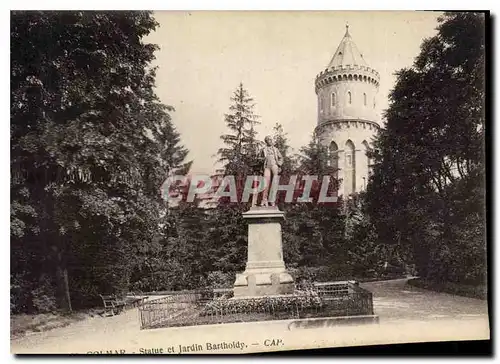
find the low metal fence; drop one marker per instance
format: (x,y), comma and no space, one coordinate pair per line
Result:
(205,307)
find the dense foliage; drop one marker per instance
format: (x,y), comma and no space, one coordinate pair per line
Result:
(427,192)
(90,144)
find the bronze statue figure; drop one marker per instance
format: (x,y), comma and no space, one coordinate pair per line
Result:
(273,160)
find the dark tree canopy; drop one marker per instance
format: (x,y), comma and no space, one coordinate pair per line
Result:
(427,190)
(90,146)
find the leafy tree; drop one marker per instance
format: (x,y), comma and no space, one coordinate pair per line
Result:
(314,160)
(366,255)
(280,139)
(227,239)
(427,190)
(313,232)
(90,146)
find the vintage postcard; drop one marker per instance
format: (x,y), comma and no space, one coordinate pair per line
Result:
(193,182)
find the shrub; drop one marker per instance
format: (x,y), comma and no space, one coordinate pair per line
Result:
(43,301)
(31,296)
(320,274)
(20,298)
(302,299)
(219,279)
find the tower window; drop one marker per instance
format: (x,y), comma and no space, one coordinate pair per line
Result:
(364,99)
(349,98)
(333,99)
(350,172)
(320,104)
(333,157)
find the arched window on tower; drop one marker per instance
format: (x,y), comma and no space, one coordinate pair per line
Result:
(350,168)
(349,97)
(320,101)
(333,99)
(364,99)
(333,157)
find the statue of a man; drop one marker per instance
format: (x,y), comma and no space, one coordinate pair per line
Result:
(273,160)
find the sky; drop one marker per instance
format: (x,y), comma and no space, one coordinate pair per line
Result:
(204,55)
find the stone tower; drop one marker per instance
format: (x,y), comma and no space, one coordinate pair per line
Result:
(347,117)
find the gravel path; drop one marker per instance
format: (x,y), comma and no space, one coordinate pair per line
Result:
(395,300)
(406,315)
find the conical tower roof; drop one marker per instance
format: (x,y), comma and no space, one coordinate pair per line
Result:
(347,53)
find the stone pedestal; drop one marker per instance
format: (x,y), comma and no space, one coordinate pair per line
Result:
(265,272)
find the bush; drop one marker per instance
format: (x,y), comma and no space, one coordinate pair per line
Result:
(31,296)
(20,298)
(321,274)
(303,299)
(218,279)
(84,292)
(43,300)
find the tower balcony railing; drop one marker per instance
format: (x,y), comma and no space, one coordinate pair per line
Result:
(339,76)
(348,67)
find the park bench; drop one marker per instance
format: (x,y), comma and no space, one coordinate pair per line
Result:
(112,304)
(116,305)
(135,299)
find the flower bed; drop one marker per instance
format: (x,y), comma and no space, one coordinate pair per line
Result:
(285,303)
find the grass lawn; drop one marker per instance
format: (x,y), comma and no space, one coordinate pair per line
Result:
(21,324)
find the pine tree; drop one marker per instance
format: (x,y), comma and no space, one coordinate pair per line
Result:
(314,158)
(240,144)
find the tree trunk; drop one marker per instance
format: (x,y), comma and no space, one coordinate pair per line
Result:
(63,296)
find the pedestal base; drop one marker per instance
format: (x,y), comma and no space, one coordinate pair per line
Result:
(265,272)
(257,284)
